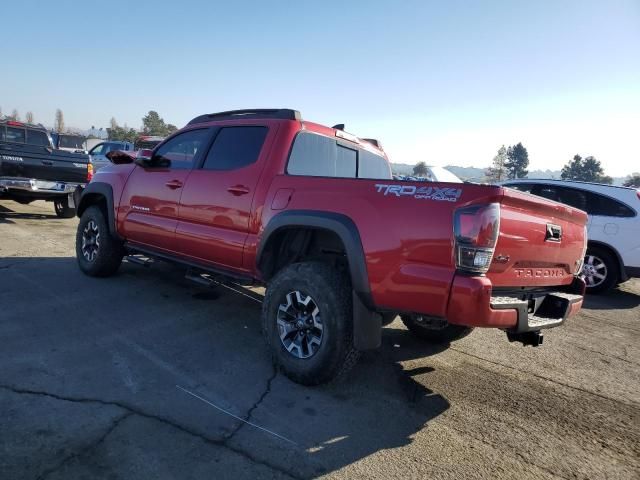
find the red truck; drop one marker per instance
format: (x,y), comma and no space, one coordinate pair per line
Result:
(313,213)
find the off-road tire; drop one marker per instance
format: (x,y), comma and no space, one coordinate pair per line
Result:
(62,208)
(444,335)
(110,251)
(611,269)
(330,290)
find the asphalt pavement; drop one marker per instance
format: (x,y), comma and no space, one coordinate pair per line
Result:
(147,375)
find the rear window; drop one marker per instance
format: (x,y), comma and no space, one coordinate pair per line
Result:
(591,202)
(70,141)
(14,134)
(37,137)
(319,156)
(235,147)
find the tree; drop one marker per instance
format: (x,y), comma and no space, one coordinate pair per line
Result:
(633,180)
(29,117)
(585,170)
(517,161)
(498,172)
(420,169)
(58,124)
(153,124)
(15,115)
(171,128)
(125,134)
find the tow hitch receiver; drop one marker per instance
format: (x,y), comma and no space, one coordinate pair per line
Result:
(534,338)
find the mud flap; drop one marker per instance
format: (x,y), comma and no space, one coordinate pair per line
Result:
(367,326)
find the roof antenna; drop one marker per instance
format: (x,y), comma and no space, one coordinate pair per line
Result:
(339,126)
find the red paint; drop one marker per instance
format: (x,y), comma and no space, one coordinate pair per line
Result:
(218,217)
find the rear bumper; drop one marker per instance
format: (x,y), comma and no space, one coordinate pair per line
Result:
(473,303)
(8,184)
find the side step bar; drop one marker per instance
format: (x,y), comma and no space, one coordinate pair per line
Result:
(209,280)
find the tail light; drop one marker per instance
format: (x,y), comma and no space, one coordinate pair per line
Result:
(476,230)
(89,171)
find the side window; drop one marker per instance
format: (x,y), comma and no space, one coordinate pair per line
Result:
(235,147)
(522,187)
(608,207)
(372,166)
(318,156)
(1,133)
(98,149)
(16,135)
(573,197)
(181,150)
(37,137)
(546,191)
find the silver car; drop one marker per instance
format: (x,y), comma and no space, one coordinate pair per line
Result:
(99,152)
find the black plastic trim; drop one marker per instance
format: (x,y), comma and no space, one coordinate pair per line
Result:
(104,190)
(342,226)
(632,272)
(250,113)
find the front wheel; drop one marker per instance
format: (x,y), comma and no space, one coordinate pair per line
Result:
(423,329)
(62,208)
(99,254)
(307,320)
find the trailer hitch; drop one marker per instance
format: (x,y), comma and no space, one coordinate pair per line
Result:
(533,339)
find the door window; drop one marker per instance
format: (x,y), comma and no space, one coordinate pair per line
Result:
(235,147)
(98,149)
(180,152)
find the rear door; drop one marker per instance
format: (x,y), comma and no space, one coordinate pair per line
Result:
(150,199)
(215,207)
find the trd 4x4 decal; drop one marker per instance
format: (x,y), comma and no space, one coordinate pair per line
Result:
(446,194)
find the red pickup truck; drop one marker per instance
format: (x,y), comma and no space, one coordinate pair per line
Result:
(313,213)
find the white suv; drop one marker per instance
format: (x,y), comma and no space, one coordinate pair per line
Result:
(613,252)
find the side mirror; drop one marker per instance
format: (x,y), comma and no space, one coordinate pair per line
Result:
(119,157)
(143,157)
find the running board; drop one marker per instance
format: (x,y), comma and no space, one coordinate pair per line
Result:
(209,280)
(140,260)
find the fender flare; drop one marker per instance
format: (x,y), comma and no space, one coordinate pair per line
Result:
(105,191)
(367,324)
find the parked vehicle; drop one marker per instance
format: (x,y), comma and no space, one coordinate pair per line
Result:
(147,142)
(98,153)
(31,169)
(613,252)
(313,213)
(69,142)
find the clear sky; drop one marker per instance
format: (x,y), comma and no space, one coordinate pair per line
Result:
(446,82)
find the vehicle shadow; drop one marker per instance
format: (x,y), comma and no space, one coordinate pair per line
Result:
(382,404)
(616,299)
(6,215)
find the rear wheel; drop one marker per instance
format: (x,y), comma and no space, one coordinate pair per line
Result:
(425,330)
(307,320)
(99,254)
(600,270)
(62,208)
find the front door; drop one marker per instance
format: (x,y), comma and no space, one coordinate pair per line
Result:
(149,203)
(215,207)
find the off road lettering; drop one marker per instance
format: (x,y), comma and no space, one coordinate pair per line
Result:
(446,194)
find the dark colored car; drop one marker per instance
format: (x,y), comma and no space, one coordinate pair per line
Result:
(31,169)
(312,212)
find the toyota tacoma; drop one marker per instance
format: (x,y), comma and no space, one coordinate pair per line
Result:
(261,197)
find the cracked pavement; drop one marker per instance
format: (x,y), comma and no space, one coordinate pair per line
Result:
(89,370)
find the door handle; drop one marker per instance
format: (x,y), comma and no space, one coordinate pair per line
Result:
(238,190)
(47,162)
(173,184)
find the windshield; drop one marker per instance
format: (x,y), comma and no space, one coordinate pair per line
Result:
(70,141)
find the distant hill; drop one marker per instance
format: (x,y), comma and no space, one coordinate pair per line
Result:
(475,174)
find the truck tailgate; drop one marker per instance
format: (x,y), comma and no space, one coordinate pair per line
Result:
(541,242)
(39,163)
